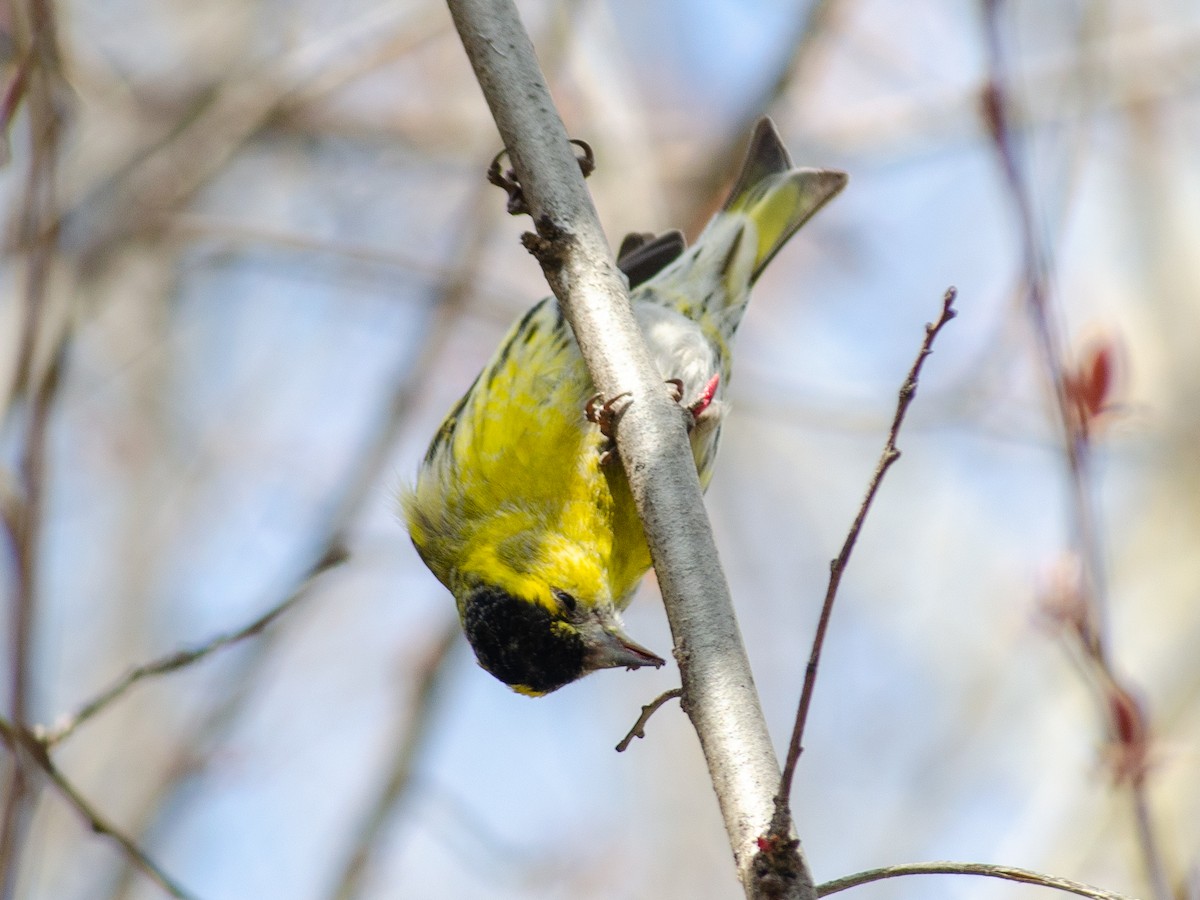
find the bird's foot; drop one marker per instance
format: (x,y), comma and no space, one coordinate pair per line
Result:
(507,179)
(701,403)
(605,413)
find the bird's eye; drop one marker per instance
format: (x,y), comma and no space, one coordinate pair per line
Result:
(565,600)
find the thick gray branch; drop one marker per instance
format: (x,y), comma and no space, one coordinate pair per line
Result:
(718,690)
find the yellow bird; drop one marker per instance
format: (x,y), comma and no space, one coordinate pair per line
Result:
(520,510)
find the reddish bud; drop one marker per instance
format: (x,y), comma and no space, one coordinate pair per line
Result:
(1097,382)
(1130,736)
(1091,384)
(991,106)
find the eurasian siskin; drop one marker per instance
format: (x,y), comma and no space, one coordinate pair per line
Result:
(518,508)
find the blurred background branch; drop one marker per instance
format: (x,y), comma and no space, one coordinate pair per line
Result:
(30,755)
(1083,399)
(264,262)
(36,87)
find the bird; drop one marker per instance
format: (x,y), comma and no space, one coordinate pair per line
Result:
(519,506)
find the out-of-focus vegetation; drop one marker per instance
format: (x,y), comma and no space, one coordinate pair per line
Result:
(250,260)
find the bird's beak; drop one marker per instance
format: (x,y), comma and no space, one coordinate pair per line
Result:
(611,648)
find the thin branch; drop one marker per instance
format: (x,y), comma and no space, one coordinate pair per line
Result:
(180,659)
(639,727)
(159,179)
(193,750)
(10,103)
(838,566)
(1008,873)
(1034,257)
(410,740)
(1154,865)
(35,32)
(1080,396)
(28,752)
(717,684)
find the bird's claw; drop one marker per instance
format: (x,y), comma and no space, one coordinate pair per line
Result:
(605,413)
(507,179)
(701,403)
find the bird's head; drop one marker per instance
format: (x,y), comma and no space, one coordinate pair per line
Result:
(536,644)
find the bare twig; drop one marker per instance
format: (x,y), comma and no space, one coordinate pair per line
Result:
(35,32)
(996,115)
(1008,873)
(10,103)
(180,659)
(1079,396)
(639,727)
(717,684)
(1148,842)
(410,740)
(838,566)
(28,752)
(159,179)
(150,823)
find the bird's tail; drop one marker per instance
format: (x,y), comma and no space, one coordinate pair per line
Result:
(769,201)
(774,196)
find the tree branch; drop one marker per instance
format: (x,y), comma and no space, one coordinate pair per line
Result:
(172,662)
(718,689)
(35,33)
(1080,398)
(1008,873)
(639,727)
(29,752)
(890,454)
